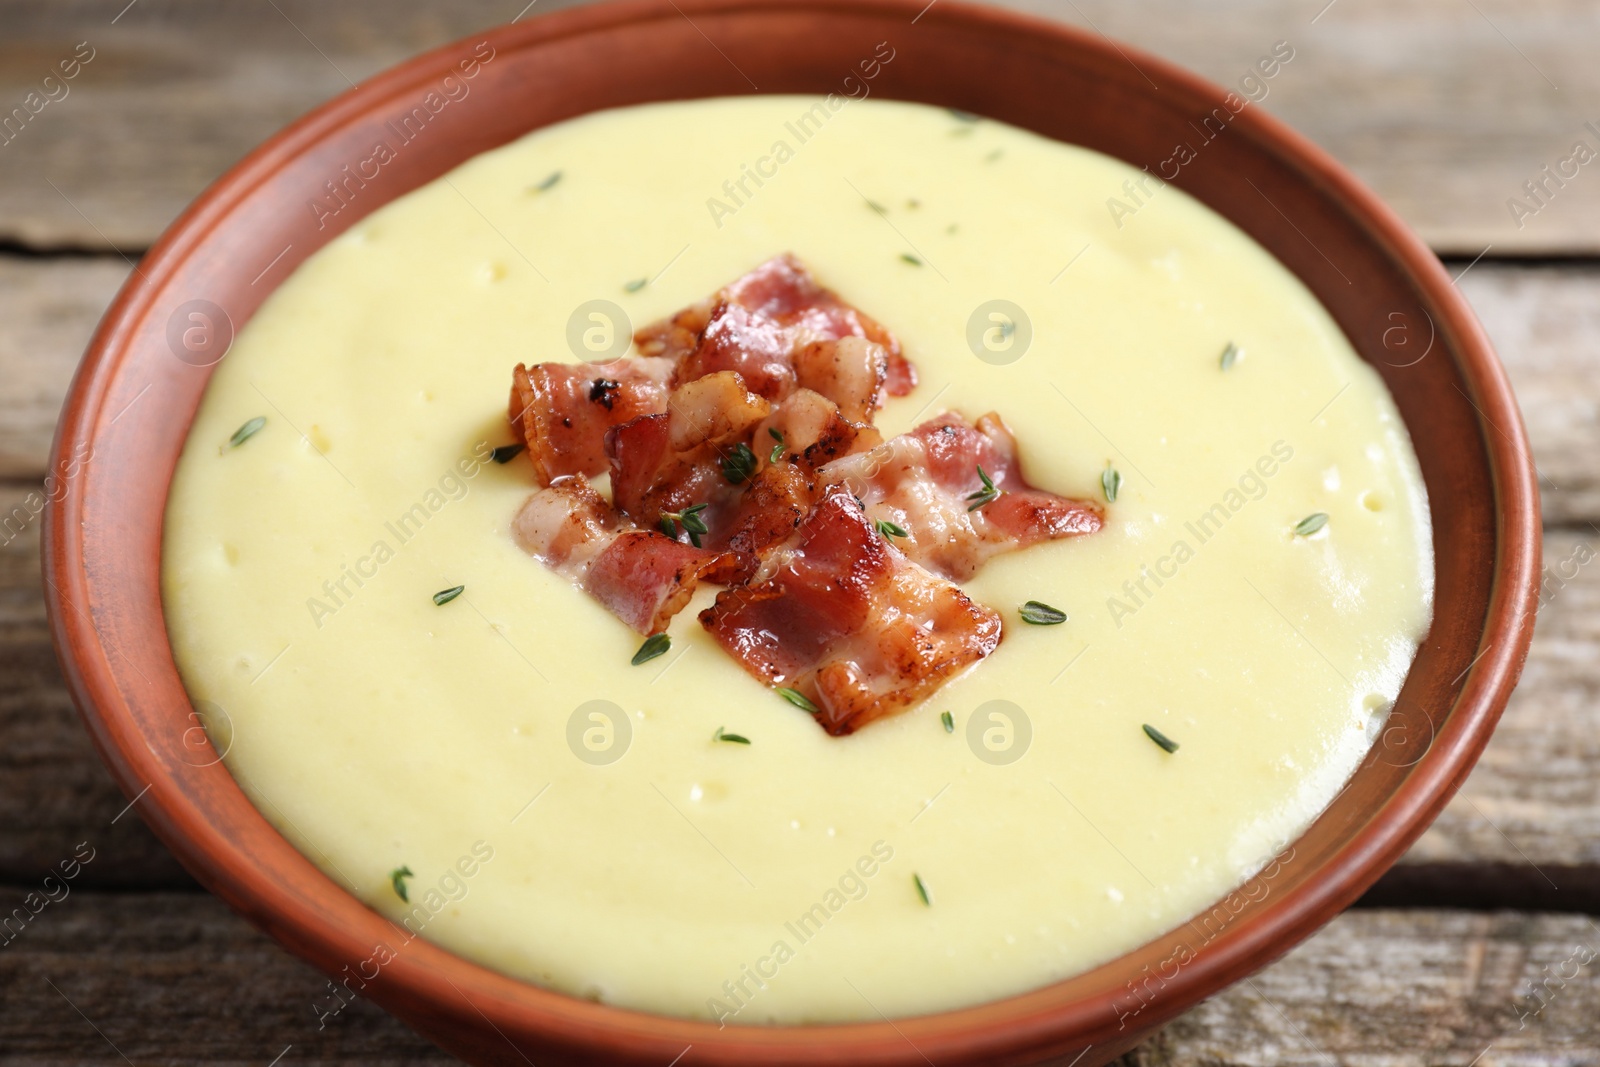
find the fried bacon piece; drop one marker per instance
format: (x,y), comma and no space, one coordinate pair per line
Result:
(923,481)
(563,410)
(676,460)
(758,325)
(656,469)
(811,431)
(841,615)
(640,576)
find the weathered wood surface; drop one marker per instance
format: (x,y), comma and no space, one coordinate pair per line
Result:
(176,978)
(1446,108)
(1545,321)
(1396,989)
(1528,819)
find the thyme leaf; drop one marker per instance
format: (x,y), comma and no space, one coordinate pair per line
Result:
(1311,524)
(247,431)
(654,645)
(1041,614)
(798,699)
(739,464)
(1160,738)
(889,530)
(987,495)
(1111,483)
(507,453)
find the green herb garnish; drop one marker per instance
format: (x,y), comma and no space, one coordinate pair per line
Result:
(247,431)
(889,529)
(1110,483)
(911,259)
(654,645)
(1230,356)
(879,208)
(507,453)
(922,890)
(777,449)
(1311,524)
(739,464)
(992,156)
(690,519)
(555,176)
(961,116)
(949,721)
(798,699)
(444,596)
(987,495)
(635,285)
(735,739)
(1160,738)
(1041,614)
(397,878)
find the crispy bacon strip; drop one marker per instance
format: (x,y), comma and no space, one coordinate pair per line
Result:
(673,461)
(642,577)
(844,617)
(685,468)
(563,410)
(757,325)
(812,431)
(921,481)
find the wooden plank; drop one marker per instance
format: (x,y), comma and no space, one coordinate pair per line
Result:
(1537,786)
(54,792)
(1445,108)
(1529,809)
(175,977)
(1395,989)
(48,310)
(1545,322)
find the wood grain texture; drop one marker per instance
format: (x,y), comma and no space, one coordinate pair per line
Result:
(54,792)
(1545,322)
(174,978)
(1446,108)
(1532,804)
(1535,796)
(177,978)
(48,309)
(1393,989)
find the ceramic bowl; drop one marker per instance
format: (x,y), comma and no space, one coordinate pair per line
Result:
(143,375)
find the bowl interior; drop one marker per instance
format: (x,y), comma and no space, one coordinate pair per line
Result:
(135,398)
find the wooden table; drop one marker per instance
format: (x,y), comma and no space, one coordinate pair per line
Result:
(1479,948)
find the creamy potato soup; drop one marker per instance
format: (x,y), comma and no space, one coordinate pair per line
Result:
(488,767)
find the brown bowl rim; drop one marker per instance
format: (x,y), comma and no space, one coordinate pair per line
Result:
(1010,1029)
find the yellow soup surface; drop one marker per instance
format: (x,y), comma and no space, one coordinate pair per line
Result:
(568,818)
